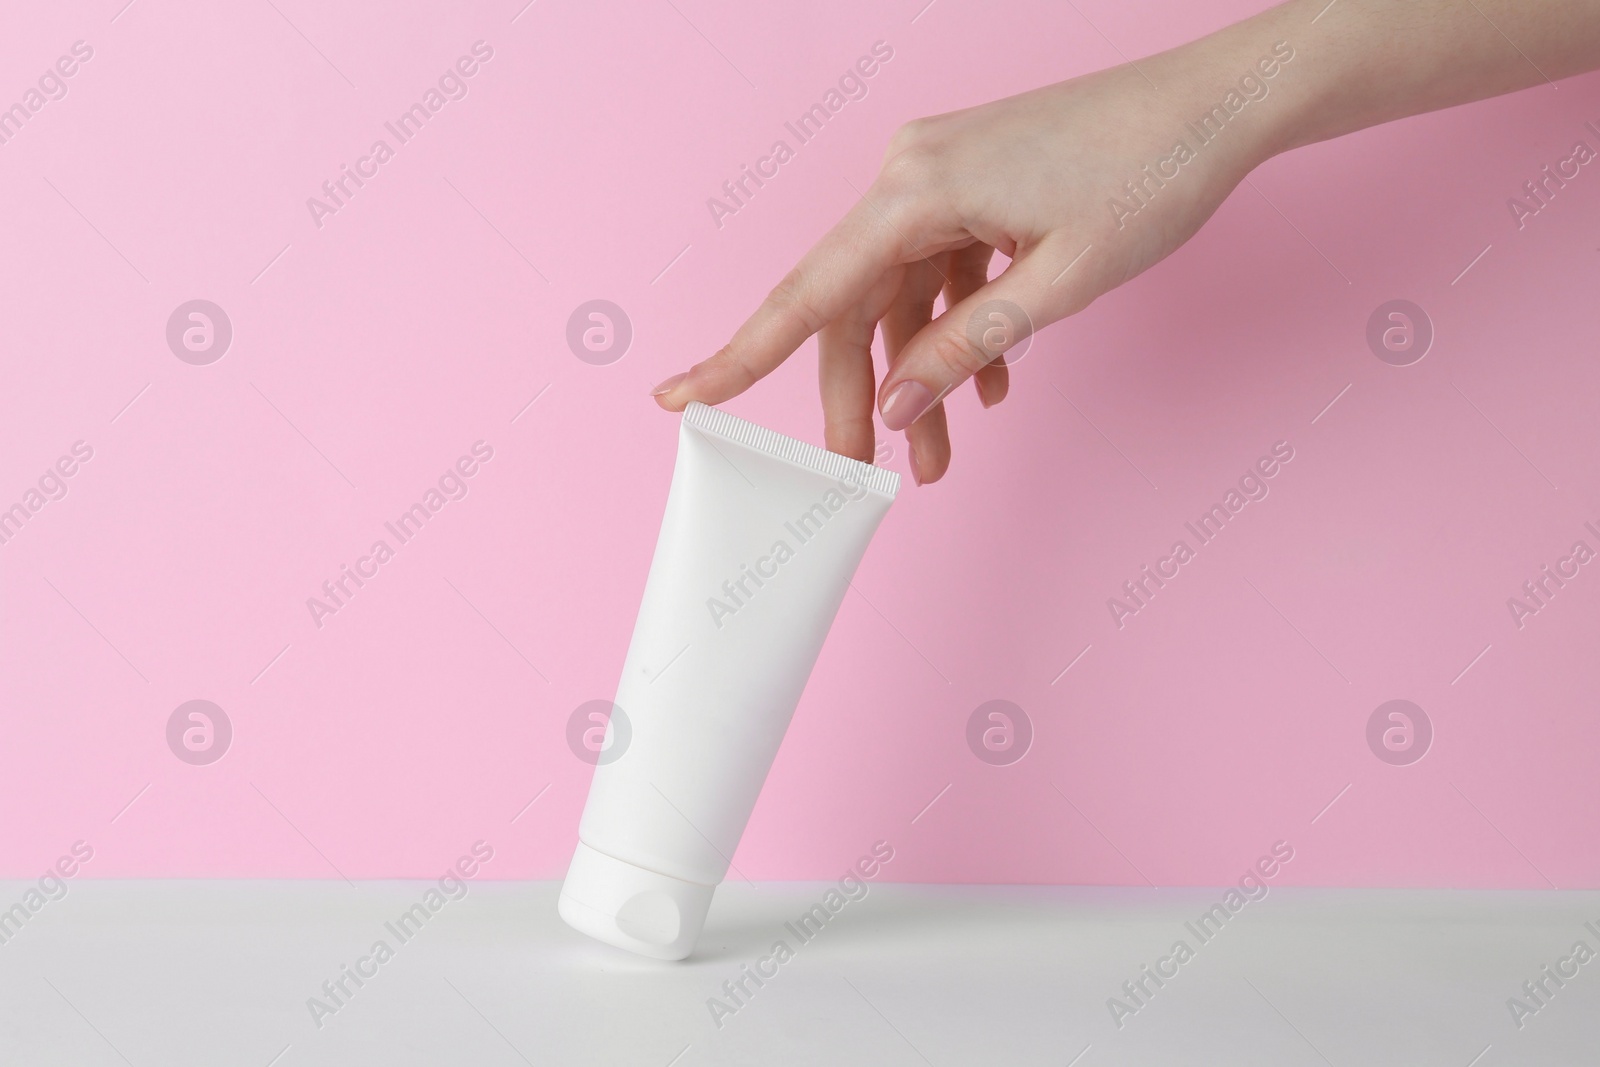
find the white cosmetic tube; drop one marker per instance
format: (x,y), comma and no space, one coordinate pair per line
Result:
(760,538)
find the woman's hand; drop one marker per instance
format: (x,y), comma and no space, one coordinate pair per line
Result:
(1033,176)
(1085,184)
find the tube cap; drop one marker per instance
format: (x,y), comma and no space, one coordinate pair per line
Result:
(633,907)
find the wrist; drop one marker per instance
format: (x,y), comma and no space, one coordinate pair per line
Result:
(1245,92)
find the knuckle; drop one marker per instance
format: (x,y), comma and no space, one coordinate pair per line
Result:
(854,331)
(730,370)
(906,135)
(849,433)
(913,168)
(907,196)
(854,432)
(914,132)
(955,355)
(789,298)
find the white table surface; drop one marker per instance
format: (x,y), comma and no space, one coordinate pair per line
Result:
(220,972)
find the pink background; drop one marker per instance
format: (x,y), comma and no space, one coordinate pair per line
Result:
(415,322)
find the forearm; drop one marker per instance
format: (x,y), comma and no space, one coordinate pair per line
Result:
(1359,63)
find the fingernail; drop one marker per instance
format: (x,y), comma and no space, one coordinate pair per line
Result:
(670,384)
(905,404)
(916,468)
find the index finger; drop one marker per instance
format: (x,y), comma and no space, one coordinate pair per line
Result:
(832,277)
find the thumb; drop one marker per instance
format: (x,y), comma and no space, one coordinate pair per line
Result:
(1000,317)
